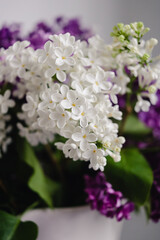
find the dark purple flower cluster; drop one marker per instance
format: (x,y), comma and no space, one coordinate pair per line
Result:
(74,27)
(152,118)
(155,195)
(39,35)
(105,199)
(153,157)
(9,35)
(42,30)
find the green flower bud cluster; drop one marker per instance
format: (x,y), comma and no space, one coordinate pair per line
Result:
(144,60)
(120,32)
(123,33)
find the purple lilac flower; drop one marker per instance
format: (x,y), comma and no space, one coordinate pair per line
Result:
(40,35)
(153,157)
(155,195)
(154,160)
(105,199)
(152,118)
(42,30)
(74,27)
(9,35)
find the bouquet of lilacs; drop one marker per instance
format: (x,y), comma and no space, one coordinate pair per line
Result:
(69,103)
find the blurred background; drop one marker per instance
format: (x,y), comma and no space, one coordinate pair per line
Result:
(101,16)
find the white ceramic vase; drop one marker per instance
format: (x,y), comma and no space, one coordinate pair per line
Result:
(77,223)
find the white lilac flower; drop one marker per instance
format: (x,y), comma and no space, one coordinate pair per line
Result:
(45,121)
(58,70)
(84,116)
(81,109)
(64,56)
(150,44)
(60,116)
(142,105)
(5,129)
(96,156)
(46,99)
(71,150)
(99,80)
(73,102)
(20,90)
(16,49)
(121,80)
(84,137)
(47,53)
(63,40)
(21,64)
(31,105)
(6,102)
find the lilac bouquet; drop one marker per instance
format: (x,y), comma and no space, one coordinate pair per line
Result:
(67,95)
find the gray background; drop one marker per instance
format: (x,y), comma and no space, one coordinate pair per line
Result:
(101,15)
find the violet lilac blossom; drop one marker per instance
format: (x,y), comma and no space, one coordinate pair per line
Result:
(42,31)
(9,34)
(153,157)
(152,117)
(105,199)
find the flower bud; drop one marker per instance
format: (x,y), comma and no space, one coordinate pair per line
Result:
(152,89)
(140,26)
(145,57)
(121,38)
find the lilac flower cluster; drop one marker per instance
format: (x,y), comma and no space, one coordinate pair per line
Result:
(105,199)
(152,120)
(40,34)
(155,195)
(153,157)
(9,35)
(73,26)
(152,117)
(42,30)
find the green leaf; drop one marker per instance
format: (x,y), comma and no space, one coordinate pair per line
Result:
(38,182)
(26,231)
(134,126)
(132,175)
(147,207)
(12,228)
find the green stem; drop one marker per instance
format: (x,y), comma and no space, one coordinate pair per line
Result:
(123,122)
(54,161)
(4,189)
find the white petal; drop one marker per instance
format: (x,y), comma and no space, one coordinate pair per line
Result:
(61,76)
(4,108)
(56,97)
(70,61)
(114,98)
(87,154)
(91,137)
(83,145)
(77,136)
(58,52)
(68,51)
(59,62)
(61,122)
(66,104)
(64,89)
(54,115)
(83,122)
(50,72)
(47,46)
(71,96)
